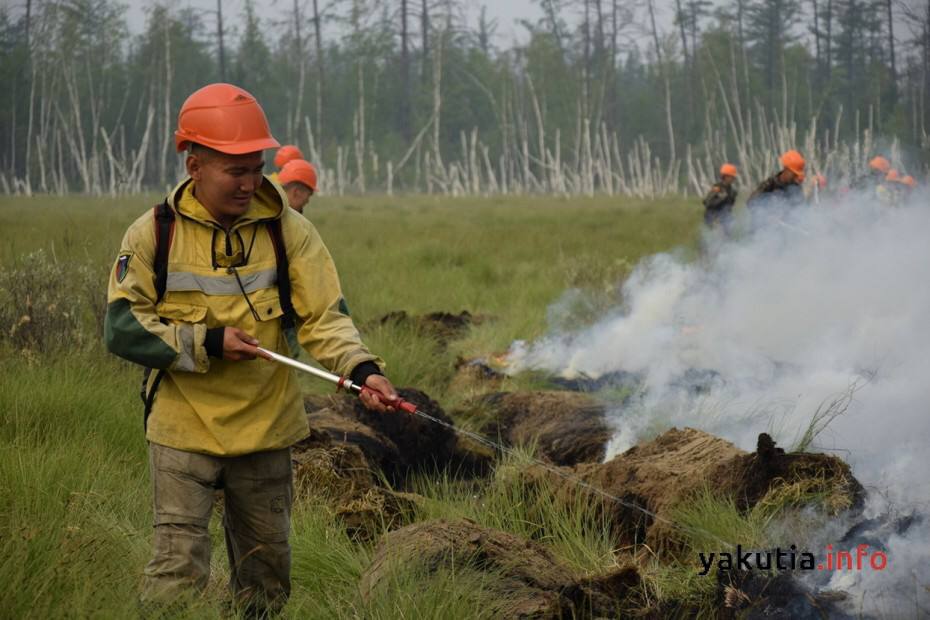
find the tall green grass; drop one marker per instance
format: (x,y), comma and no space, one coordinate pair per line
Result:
(572,530)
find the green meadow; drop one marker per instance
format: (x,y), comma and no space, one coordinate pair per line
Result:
(75,513)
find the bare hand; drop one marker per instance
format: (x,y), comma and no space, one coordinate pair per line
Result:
(380,384)
(238,345)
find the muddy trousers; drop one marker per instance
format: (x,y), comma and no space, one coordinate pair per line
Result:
(258,491)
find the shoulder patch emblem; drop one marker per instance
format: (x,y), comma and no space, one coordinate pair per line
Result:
(122,266)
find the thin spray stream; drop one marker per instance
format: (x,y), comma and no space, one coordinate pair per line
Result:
(407,406)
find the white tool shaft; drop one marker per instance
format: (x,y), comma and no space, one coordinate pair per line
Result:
(322,374)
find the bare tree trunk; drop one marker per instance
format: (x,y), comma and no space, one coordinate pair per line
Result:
(163,158)
(599,33)
(894,68)
(219,39)
(668,90)
(405,100)
(302,66)
(818,59)
(740,11)
(437,109)
(680,15)
(586,79)
(320,81)
(925,82)
(28,26)
(829,40)
(689,66)
(424,38)
(31,72)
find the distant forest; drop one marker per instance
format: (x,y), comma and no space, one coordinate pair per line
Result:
(409,96)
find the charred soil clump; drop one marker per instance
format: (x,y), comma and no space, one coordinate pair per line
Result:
(567,428)
(444,327)
(398,443)
(340,474)
(654,477)
(752,595)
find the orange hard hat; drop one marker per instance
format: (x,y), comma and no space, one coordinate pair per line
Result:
(285,154)
(892,175)
(300,171)
(909,181)
(880,164)
(225,118)
(728,170)
(820,181)
(793,161)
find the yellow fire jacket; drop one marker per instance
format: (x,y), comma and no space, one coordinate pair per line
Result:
(208,404)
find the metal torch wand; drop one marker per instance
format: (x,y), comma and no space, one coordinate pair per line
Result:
(341,382)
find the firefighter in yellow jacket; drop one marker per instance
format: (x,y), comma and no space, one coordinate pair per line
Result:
(219,417)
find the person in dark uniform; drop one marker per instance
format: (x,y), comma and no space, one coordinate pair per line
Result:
(780,191)
(879,167)
(719,201)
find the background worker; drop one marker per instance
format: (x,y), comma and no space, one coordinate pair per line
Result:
(286,153)
(889,192)
(784,186)
(879,167)
(298,178)
(195,310)
(719,201)
(908,185)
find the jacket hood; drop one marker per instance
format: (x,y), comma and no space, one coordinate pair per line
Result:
(268,203)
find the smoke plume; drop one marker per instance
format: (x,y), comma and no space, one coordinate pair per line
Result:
(824,308)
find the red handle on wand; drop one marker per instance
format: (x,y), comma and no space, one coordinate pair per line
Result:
(399,403)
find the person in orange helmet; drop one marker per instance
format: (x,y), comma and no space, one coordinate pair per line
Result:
(298,178)
(878,169)
(891,191)
(719,201)
(784,186)
(286,153)
(906,186)
(218,269)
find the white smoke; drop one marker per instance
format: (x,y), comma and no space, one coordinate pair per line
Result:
(762,331)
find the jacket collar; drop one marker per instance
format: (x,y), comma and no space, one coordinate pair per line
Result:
(268,203)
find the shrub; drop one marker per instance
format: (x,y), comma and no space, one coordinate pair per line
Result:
(46,304)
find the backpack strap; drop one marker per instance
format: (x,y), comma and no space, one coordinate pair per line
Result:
(164,235)
(283,274)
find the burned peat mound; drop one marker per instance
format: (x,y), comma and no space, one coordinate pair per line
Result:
(660,474)
(398,443)
(475,376)
(567,427)
(442,326)
(340,474)
(525,579)
(754,595)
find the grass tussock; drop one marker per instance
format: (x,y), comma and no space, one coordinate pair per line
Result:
(574,531)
